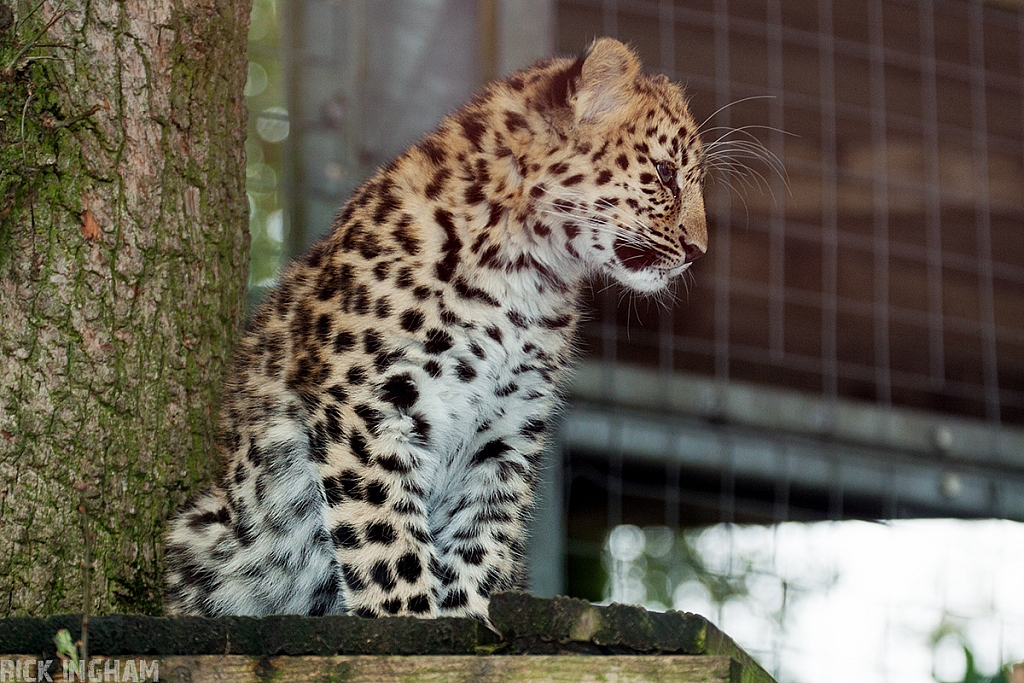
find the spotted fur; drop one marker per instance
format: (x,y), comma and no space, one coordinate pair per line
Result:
(384,421)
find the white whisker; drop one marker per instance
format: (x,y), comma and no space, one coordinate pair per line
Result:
(734,152)
(745,130)
(733,103)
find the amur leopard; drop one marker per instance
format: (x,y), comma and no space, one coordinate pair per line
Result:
(388,406)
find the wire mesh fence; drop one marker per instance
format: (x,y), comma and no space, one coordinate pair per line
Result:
(887,264)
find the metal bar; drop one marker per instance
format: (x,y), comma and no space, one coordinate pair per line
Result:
(829,200)
(920,484)
(667,37)
(880,191)
(666,318)
(487,41)
(546,547)
(610,17)
(776,220)
(983,211)
(723,218)
(948,439)
(930,130)
(292,18)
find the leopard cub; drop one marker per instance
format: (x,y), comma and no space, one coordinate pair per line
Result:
(388,406)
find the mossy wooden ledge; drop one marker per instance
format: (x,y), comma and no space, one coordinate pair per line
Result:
(630,644)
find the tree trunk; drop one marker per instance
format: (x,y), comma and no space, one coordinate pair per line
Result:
(123,261)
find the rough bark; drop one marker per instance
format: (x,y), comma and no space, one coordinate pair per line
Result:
(123,260)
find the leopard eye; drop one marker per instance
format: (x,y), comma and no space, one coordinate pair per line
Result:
(666,172)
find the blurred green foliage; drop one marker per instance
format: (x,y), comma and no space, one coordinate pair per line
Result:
(950,633)
(666,568)
(268,129)
(711,571)
(972,675)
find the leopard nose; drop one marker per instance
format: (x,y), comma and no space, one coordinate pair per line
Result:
(692,251)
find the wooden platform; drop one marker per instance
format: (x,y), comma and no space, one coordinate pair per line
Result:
(552,640)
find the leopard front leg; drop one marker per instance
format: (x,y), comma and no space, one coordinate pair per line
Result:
(378,523)
(479,525)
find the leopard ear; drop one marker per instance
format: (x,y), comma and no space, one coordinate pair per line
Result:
(606,80)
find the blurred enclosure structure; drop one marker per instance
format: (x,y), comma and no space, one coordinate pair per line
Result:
(851,348)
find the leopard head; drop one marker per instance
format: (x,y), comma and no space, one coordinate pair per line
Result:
(633,204)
